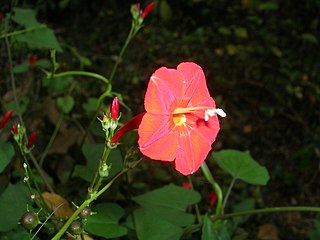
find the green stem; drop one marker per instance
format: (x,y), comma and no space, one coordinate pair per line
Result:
(6,35)
(81,73)
(52,138)
(97,180)
(196,205)
(216,187)
(132,33)
(13,85)
(225,200)
(32,177)
(267,210)
(86,203)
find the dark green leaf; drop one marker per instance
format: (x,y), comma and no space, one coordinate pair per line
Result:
(43,38)
(13,203)
(25,17)
(268,6)
(241,32)
(105,222)
(244,205)
(242,166)
(216,230)
(150,227)
(169,203)
(65,104)
(309,37)
(165,10)
(91,105)
(58,84)
(93,153)
(21,68)
(6,154)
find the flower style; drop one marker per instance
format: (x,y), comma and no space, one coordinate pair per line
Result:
(180,122)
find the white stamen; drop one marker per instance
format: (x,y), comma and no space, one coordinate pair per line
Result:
(211,112)
(220,112)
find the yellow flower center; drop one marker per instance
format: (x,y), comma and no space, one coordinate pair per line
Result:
(179,119)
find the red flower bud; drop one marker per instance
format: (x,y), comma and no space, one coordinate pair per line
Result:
(6,118)
(32,60)
(14,130)
(32,139)
(213,198)
(114,108)
(187,185)
(147,10)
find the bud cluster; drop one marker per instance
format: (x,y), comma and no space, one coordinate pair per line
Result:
(18,135)
(110,120)
(139,14)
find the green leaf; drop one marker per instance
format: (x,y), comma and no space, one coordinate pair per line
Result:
(314,233)
(105,222)
(58,84)
(165,11)
(21,68)
(244,205)
(150,227)
(23,104)
(13,203)
(6,154)
(25,17)
(92,153)
(309,37)
(169,203)
(43,38)
(241,32)
(44,63)
(90,106)
(242,166)
(216,230)
(268,6)
(65,104)
(224,31)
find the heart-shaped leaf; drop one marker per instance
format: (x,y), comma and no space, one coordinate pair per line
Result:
(105,222)
(65,104)
(242,166)
(169,203)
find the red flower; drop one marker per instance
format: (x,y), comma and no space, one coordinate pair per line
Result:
(180,122)
(32,139)
(6,118)
(186,185)
(114,108)
(213,198)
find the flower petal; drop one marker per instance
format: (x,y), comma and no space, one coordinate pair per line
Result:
(191,152)
(165,86)
(157,139)
(196,87)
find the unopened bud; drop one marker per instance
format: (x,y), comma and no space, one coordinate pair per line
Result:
(115,108)
(32,140)
(6,118)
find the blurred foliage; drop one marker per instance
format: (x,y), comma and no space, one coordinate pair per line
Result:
(261,60)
